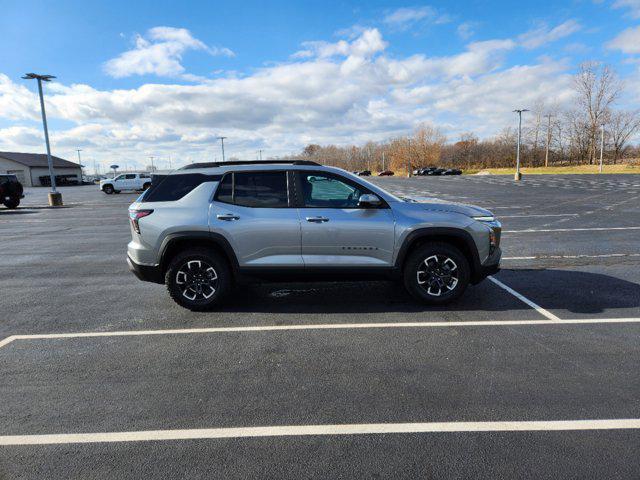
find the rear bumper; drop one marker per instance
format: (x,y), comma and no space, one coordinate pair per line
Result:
(146,273)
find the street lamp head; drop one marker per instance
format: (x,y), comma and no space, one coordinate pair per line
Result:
(33,76)
(520,110)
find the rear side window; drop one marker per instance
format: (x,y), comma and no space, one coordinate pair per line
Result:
(8,179)
(168,188)
(254,189)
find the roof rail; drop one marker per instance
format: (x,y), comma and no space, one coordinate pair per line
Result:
(248,162)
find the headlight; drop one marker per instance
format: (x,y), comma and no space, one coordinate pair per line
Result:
(495,230)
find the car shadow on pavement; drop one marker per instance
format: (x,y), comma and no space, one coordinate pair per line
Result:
(19,211)
(576,291)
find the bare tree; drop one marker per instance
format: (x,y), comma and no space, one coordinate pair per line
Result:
(598,88)
(622,126)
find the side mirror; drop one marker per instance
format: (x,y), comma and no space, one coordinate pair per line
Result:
(369,200)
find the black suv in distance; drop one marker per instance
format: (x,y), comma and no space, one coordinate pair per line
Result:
(11,191)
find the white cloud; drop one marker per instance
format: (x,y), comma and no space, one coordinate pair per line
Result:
(406,17)
(465,30)
(628,41)
(632,5)
(342,92)
(160,53)
(543,34)
(366,44)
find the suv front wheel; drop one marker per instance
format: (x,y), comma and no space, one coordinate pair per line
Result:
(198,279)
(436,273)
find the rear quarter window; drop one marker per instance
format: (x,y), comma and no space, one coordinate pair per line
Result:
(168,188)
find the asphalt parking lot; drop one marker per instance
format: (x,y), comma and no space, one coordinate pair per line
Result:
(535,375)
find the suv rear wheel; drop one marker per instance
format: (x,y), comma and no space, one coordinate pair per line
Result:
(198,279)
(436,273)
(108,189)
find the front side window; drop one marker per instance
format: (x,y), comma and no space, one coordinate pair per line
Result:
(120,177)
(328,191)
(254,189)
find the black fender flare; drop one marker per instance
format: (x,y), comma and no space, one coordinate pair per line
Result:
(442,233)
(209,237)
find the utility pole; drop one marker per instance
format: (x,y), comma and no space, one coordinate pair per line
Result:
(95,168)
(55,197)
(518,175)
(409,160)
(222,145)
(546,153)
(601,145)
(153,168)
(383,160)
(80,165)
(170,167)
(260,154)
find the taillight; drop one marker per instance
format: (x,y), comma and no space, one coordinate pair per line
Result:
(136,215)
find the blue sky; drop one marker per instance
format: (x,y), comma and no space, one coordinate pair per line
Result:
(141,78)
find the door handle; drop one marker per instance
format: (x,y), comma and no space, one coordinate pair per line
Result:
(228,217)
(317,219)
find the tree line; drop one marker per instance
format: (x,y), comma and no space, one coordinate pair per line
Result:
(551,136)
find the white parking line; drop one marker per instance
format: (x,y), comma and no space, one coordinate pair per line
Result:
(524,299)
(594,229)
(306,430)
(541,215)
(557,257)
(337,326)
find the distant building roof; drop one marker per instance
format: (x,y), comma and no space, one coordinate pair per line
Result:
(36,159)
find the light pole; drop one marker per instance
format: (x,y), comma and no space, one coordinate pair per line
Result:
(153,168)
(601,145)
(55,197)
(546,153)
(518,175)
(260,154)
(409,160)
(222,144)
(80,165)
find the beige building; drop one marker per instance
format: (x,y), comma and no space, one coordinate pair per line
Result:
(32,169)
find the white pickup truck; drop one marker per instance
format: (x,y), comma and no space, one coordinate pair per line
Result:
(126,181)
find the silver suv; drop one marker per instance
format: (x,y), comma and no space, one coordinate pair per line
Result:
(206,227)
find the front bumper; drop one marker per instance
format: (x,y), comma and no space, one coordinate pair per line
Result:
(146,273)
(491,266)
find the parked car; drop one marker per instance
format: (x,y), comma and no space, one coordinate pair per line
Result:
(386,173)
(126,181)
(201,230)
(11,190)
(452,171)
(363,173)
(434,171)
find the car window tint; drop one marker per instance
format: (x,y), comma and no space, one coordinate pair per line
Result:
(327,191)
(119,177)
(225,190)
(130,176)
(260,189)
(166,188)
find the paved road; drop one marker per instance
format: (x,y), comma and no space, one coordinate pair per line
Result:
(63,271)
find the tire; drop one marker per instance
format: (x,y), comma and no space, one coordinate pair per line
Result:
(108,189)
(12,203)
(198,265)
(146,186)
(436,273)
